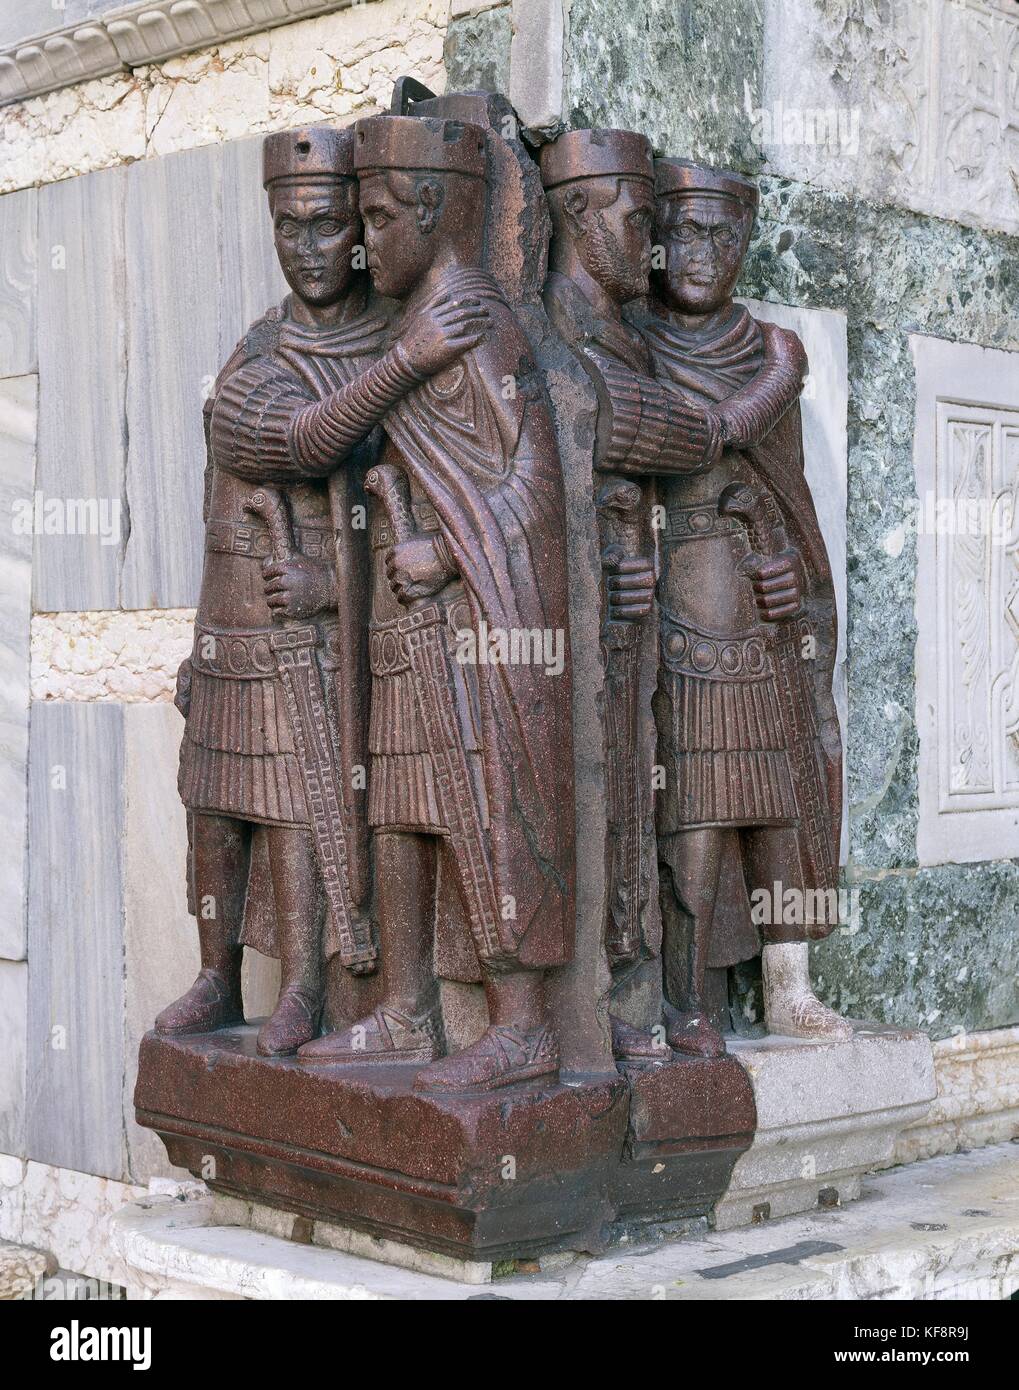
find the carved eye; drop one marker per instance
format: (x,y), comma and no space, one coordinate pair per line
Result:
(725,236)
(329,227)
(287,229)
(686,231)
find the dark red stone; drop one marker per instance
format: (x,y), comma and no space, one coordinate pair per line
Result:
(361,1147)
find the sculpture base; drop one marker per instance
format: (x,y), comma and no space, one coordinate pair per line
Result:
(488,1176)
(827,1114)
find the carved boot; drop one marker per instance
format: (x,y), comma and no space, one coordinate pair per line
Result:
(791,1007)
(293,1022)
(502,1056)
(690,1032)
(212,1002)
(631,1044)
(387,1035)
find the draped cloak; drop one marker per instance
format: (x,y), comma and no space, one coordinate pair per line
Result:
(743,364)
(487,461)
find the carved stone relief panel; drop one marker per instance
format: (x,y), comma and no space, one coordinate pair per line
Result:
(967,468)
(914,101)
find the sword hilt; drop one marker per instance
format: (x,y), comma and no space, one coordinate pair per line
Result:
(619,501)
(750,506)
(389,484)
(271,505)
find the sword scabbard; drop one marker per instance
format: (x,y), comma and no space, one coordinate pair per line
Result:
(295,648)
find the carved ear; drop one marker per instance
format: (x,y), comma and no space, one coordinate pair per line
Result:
(574,206)
(430,195)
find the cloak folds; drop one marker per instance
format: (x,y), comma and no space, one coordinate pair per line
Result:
(753,371)
(490,468)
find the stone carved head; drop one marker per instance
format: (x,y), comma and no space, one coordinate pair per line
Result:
(422,195)
(703,221)
(309,177)
(600,187)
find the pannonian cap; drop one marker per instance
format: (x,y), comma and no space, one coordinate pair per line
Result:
(590,154)
(312,151)
(683,176)
(420,142)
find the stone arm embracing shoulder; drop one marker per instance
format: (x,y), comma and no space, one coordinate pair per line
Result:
(751,413)
(646,427)
(266,429)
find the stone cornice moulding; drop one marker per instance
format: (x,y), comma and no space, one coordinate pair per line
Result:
(139,34)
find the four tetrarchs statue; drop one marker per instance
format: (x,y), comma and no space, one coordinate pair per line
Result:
(380,747)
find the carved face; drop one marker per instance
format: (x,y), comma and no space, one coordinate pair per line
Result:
(610,221)
(705,239)
(401,212)
(316,228)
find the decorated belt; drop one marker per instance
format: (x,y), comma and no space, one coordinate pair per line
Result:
(698,523)
(388,654)
(248,653)
(252,540)
(689,651)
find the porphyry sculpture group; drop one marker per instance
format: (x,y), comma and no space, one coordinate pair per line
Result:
(493,371)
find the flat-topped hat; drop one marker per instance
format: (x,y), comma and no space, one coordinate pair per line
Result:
(590,154)
(314,152)
(420,142)
(684,176)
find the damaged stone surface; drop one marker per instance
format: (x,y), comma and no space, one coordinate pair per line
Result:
(125,656)
(826,1114)
(21,1268)
(477,49)
(913,102)
(330,68)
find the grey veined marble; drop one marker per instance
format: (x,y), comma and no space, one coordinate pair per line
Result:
(17,480)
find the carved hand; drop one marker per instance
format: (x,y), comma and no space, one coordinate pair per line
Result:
(299,588)
(630,584)
(778,584)
(442,331)
(418,568)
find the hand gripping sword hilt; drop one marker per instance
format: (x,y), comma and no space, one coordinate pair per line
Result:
(389,484)
(750,506)
(271,505)
(619,502)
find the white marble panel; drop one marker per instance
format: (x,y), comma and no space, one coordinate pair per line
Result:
(74,1111)
(913,102)
(13,1033)
(19,215)
(17,481)
(966,458)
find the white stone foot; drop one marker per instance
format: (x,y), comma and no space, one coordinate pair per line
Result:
(791,1008)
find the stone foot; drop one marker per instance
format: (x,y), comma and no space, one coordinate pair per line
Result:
(791,1007)
(501,1057)
(211,1003)
(631,1044)
(387,1035)
(689,1032)
(294,1021)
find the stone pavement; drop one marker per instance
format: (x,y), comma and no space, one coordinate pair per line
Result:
(946,1228)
